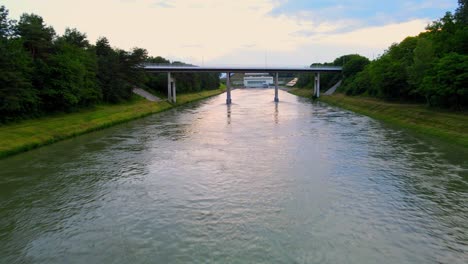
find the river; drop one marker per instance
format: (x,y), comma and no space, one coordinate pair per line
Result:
(254,182)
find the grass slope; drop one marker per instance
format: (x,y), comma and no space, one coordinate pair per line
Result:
(192,97)
(30,134)
(450,126)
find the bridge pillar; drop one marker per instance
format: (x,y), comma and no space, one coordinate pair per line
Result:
(317,85)
(174,97)
(276,87)
(228,88)
(171,88)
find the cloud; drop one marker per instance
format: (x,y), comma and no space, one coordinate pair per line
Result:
(224,31)
(370,42)
(363,13)
(162,4)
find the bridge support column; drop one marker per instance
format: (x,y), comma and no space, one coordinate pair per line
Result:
(174,97)
(228,88)
(276,87)
(171,88)
(317,85)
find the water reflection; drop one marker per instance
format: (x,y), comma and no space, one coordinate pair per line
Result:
(228,109)
(276,113)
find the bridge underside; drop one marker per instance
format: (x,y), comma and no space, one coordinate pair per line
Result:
(171,89)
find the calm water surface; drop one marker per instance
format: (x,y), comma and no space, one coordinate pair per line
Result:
(256,182)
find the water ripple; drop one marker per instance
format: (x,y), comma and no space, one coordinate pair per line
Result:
(254,182)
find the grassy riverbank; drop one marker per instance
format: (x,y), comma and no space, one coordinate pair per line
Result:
(30,134)
(449,126)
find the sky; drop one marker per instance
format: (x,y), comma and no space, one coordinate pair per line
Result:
(242,32)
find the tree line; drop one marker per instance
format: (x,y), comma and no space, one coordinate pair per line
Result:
(430,68)
(43,72)
(352,64)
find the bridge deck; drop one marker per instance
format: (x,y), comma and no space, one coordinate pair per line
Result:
(158,68)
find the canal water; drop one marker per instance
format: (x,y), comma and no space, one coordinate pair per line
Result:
(254,182)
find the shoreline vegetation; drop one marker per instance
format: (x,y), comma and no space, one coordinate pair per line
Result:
(34,133)
(449,126)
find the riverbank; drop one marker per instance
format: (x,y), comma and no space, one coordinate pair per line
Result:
(449,126)
(31,134)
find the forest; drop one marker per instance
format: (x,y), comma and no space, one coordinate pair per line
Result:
(43,72)
(430,68)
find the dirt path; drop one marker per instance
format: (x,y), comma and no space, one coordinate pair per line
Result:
(146,94)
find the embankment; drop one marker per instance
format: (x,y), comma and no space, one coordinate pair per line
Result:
(30,134)
(449,126)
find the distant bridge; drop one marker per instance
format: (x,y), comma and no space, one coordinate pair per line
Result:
(171,89)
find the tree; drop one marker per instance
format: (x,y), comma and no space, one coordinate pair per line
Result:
(442,32)
(462,12)
(403,52)
(360,84)
(422,62)
(117,70)
(75,38)
(18,98)
(157,81)
(103,47)
(389,77)
(157,60)
(71,80)
(37,37)
(6,25)
(353,65)
(131,65)
(447,84)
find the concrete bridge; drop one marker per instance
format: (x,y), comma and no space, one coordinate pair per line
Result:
(171,87)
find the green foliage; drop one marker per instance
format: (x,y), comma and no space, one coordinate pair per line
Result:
(430,67)
(186,82)
(359,84)
(18,98)
(42,72)
(71,79)
(118,70)
(37,37)
(424,56)
(131,62)
(327,80)
(353,65)
(75,38)
(447,83)
(389,76)
(195,82)
(6,25)
(462,12)
(110,76)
